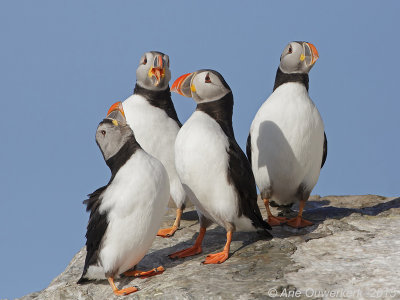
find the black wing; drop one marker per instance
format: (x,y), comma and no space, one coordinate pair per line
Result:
(242,178)
(96,228)
(248,148)
(325,153)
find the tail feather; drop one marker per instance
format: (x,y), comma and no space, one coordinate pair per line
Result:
(82,280)
(258,222)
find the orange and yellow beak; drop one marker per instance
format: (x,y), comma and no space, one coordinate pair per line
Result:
(116,113)
(183,85)
(310,54)
(314,53)
(157,70)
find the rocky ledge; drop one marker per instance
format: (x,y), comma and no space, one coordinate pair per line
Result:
(352,251)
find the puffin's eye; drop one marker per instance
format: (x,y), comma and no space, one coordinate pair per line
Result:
(290,50)
(207,79)
(103,132)
(144,60)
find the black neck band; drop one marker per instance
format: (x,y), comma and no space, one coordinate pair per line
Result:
(122,156)
(160,99)
(282,78)
(221,111)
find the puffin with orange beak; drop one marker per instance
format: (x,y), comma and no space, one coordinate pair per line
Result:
(152,116)
(125,214)
(287,145)
(213,169)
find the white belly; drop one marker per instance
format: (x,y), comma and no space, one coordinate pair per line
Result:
(156,134)
(135,202)
(287,138)
(202,164)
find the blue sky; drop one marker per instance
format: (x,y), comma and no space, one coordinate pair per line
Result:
(63,63)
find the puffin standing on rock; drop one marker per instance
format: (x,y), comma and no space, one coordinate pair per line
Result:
(126,214)
(213,169)
(287,145)
(152,116)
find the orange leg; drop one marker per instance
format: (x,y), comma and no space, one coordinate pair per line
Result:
(220,257)
(145,274)
(299,222)
(122,292)
(168,232)
(195,249)
(273,221)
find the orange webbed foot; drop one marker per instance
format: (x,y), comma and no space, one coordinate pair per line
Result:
(195,249)
(122,292)
(167,232)
(126,291)
(216,258)
(276,221)
(145,274)
(299,222)
(186,252)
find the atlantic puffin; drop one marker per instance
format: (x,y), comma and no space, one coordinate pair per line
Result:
(126,214)
(287,145)
(213,169)
(152,116)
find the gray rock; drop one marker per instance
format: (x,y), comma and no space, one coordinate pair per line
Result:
(352,251)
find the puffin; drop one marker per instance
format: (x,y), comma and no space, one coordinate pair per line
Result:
(287,144)
(213,169)
(125,214)
(151,114)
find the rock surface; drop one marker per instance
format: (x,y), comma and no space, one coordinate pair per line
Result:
(352,252)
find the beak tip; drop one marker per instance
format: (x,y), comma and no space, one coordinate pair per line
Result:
(177,85)
(174,88)
(116,106)
(314,52)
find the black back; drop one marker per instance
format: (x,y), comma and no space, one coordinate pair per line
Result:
(282,78)
(239,174)
(325,152)
(248,148)
(98,222)
(160,99)
(96,229)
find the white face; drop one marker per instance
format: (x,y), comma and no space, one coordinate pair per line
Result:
(297,57)
(153,71)
(207,86)
(111,136)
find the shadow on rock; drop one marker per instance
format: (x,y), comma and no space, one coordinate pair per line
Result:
(331,212)
(190,215)
(318,212)
(214,241)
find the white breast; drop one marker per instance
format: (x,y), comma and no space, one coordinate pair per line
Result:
(287,136)
(202,164)
(135,203)
(156,133)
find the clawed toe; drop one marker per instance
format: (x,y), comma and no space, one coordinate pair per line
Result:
(126,291)
(299,222)
(186,252)
(276,221)
(145,274)
(216,258)
(167,232)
